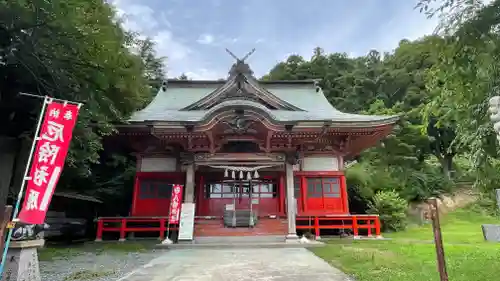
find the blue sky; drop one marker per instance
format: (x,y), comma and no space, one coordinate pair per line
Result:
(193,34)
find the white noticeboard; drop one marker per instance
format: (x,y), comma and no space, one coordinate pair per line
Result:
(186,224)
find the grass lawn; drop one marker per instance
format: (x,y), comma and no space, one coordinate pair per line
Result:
(411,257)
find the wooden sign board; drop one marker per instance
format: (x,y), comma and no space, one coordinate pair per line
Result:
(186,224)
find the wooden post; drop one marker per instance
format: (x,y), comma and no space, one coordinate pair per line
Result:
(123,228)
(438,241)
(3,224)
(355,226)
(377,227)
(316,227)
(100,229)
(162,228)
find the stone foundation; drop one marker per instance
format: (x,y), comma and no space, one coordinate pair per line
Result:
(491,232)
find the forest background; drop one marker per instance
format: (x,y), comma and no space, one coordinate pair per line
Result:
(440,85)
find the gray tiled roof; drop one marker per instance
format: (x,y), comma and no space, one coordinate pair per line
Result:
(167,106)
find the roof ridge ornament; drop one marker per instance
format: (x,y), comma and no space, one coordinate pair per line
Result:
(240,66)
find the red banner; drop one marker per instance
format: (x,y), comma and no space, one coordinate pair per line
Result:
(175,204)
(48,160)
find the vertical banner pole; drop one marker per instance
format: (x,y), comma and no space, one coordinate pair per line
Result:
(46,100)
(168,222)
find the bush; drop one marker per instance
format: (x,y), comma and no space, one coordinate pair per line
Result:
(391,208)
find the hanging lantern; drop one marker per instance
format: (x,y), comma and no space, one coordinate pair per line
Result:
(241,174)
(226,173)
(233,175)
(249,175)
(256,174)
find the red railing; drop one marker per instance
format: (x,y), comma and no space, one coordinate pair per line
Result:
(119,224)
(355,222)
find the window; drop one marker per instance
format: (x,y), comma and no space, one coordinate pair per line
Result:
(219,190)
(155,189)
(331,187)
(323,187)
(264,189)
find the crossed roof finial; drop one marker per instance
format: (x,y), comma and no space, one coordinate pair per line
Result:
(238,59)
(240,67)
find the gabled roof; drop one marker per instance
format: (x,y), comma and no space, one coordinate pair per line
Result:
(242,87)
(283,101)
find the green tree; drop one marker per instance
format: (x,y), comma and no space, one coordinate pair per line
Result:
(73,50)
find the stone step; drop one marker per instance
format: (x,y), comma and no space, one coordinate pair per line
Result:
(265,226)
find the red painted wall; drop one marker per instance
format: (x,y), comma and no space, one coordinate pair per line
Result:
(328,196)
(155,200)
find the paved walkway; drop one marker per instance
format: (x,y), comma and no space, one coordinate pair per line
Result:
(237,265)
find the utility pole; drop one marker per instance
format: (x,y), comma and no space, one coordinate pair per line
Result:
(438,240)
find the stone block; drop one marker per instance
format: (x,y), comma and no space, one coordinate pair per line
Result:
(22,261)
(491,232)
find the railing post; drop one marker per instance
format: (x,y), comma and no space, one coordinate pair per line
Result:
(316,228)
(377,228)
(123,228)
(369,223)
(100,229)
(355,228)
(162,229)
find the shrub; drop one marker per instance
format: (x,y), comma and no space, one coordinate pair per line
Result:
(391,208)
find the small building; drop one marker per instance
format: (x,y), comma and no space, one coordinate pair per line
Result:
(270,153)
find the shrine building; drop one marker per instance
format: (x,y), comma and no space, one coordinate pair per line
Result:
(254,158)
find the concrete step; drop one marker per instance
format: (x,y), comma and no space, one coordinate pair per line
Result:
(222,246)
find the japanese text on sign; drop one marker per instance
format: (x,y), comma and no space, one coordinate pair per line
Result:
(175,204)
(48,160)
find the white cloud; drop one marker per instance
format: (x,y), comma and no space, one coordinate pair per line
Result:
(180,57)
(205,39)
(167,45)
(204,74)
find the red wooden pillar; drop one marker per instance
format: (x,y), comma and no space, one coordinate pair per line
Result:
(303,193)
(200,200)
(316,227)
(162,229)
(123,228)
(377,227)
(282,195)
(100,227)
(345,196)
(135,195)
(355,226)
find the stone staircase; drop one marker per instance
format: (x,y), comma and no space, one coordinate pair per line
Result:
(264,226)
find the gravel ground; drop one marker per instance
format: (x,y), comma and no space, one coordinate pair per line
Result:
(94,266)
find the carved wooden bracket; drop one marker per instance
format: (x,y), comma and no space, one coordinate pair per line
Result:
(292,157)
(187,158)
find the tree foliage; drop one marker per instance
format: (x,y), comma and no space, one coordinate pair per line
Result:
(74,50)
(438,84)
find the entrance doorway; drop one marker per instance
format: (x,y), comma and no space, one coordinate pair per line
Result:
(259,195)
